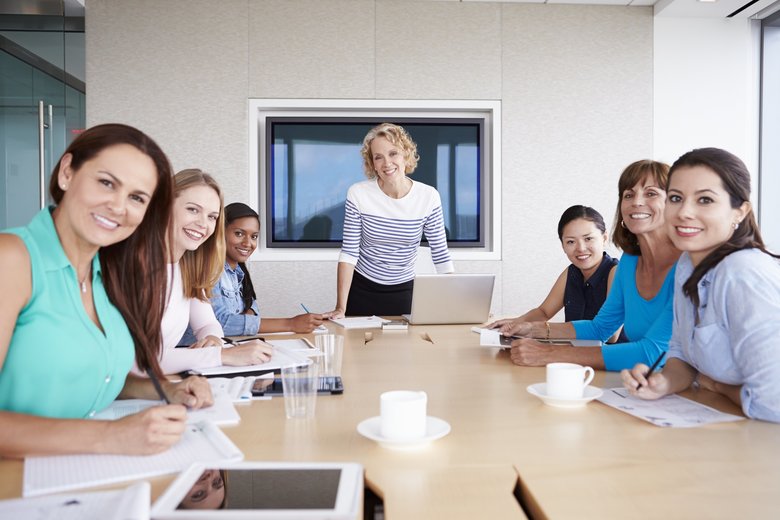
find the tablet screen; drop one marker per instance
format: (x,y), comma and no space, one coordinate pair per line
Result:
(257,489)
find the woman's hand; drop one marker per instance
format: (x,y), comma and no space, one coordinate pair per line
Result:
(635,381)
(335,314)
(151,431)
(498,323)
(305,323)
(192,392)
(208,341)
(252,352)
(531,353)
(517,327)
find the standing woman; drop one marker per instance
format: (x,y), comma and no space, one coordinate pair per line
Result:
(197,254)
(727,291)
(83,295)
(641,294)
(384,219)
(583,286)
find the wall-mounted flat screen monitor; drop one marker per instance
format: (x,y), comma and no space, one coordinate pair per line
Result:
(312,161)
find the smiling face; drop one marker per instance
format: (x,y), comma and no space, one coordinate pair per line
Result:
(583,244)
(107,197)
(195,214)
(699,216)
(388,160)
(642,206)
(241,239)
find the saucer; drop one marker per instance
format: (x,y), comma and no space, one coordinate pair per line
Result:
(435,429)
(540,391)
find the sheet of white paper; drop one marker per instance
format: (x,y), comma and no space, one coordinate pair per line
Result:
(238,388)
(491,338)
(203,442)
(671,411)
(222,412)
(131,503)
(364,322)
(281,357)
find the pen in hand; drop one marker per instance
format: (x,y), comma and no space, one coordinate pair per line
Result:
(305,309)
(651,369)
(158,386)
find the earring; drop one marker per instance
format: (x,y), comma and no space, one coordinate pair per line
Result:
(622,224)
(63,186)
(736,226)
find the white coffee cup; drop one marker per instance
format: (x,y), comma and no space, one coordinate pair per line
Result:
(403,414)
(567,380)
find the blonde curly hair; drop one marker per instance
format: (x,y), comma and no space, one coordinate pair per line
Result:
(396,135)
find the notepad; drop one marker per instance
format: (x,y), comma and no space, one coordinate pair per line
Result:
(131,503)
(222,412)
(202,442)
(364,322)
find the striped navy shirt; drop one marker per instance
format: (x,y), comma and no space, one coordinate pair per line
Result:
(382,234)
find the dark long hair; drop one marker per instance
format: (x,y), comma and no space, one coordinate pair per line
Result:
(583,212)
(736,181)
(134,270)
(635,172)
(234,211)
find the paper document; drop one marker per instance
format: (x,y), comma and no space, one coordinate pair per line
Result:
(493,338)
(281,357)
(131,503)
(364,322)
(239,388)
(671,411)
(222,412)
(203,442)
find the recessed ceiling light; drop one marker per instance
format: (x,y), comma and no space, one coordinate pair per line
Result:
(708,1)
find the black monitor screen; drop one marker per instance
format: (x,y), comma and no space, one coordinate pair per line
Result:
(312,162)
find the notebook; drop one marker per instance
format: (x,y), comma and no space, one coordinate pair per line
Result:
(451,298)
(203,442)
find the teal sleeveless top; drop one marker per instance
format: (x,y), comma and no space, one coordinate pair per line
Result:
(59,363)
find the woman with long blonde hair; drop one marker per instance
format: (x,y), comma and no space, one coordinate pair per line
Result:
(197,238)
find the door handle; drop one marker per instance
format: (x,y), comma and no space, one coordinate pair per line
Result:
(41,156)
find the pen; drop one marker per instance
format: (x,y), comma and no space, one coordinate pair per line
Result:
(305,309)
(650,371)
(228,341)
(157,386)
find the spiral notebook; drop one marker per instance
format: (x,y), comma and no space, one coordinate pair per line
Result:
(202,442)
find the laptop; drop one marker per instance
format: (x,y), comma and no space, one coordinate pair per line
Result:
(440,299)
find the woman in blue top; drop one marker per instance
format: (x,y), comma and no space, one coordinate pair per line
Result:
(73,320)
(583,286)
(641,294)
(727,291)
(233,298)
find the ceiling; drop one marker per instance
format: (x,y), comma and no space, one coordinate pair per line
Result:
(667,8)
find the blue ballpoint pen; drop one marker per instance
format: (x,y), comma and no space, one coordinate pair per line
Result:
(305,309)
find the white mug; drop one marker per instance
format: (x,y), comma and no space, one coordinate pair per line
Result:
(403,414)
(567,380)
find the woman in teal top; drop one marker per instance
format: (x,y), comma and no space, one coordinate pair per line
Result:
(642,291)
(72,321)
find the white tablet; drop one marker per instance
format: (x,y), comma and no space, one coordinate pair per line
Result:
(304,490)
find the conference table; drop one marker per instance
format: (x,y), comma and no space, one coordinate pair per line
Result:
(508,455)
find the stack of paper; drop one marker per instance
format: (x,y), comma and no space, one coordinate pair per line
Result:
(221,412)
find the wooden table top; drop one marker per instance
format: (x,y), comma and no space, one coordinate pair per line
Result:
(590,462)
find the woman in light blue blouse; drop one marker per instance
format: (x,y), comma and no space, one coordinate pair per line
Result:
(641,295)
(727,291)
(233,298)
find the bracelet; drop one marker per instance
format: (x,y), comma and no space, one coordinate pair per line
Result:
(547,324)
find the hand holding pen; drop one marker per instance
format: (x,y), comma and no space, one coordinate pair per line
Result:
(638,378)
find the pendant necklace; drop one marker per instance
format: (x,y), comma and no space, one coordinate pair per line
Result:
(83,282)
